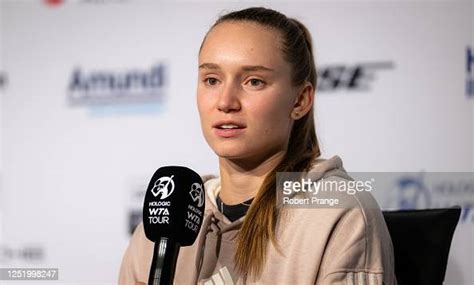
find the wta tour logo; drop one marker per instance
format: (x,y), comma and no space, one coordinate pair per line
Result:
(163,187)
(197,194)
(158,210)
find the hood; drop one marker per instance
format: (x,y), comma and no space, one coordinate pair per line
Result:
(218,234)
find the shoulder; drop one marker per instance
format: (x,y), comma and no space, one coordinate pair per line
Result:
(338,207)
(352,234)
(346,206)
(137,258)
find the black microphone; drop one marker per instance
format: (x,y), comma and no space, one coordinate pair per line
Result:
(173,211)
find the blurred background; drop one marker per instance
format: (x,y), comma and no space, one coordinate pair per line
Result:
(95,95)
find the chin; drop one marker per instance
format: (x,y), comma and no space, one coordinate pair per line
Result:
(228,152)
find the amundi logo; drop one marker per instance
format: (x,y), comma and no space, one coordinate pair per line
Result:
(101,87)
(163,187)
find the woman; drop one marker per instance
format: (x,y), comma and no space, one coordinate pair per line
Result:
(255,96)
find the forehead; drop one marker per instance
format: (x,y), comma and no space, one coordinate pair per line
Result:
(245,42)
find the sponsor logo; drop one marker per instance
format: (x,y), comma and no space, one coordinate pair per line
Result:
(469,72)
(22,253)
(56,3)
(53,3)
(197,194)
(103,1)
(358,77)
(158,212)
(3,80)
(435,190)
(163,187)
(135,217)
(135,204)
(412,193)
(103,87)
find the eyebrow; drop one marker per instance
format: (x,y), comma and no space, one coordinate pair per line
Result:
(214,66)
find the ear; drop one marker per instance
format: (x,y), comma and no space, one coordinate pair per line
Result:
(304,101)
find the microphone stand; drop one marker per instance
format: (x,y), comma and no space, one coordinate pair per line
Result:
(163,265)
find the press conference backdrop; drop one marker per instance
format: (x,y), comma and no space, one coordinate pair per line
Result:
(97,94)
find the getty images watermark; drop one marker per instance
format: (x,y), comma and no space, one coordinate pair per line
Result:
(296,189)
(391,190)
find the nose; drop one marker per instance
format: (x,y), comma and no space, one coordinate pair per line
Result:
(229,99)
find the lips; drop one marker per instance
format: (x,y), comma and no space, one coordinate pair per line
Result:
(228,129)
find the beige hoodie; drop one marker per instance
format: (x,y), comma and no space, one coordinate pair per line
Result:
(343,245)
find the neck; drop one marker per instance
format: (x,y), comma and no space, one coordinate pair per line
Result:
(241,180)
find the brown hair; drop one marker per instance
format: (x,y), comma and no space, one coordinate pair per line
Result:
(260,222)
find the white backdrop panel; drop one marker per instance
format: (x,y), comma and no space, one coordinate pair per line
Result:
(71,175)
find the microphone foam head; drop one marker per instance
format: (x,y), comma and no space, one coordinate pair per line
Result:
(174,205)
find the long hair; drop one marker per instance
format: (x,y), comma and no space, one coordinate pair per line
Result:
(259,225)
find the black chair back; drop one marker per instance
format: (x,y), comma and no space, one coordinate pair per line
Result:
(421,241)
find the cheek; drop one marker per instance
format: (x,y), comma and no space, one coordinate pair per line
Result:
(273,116)
(203,105)
(206,99)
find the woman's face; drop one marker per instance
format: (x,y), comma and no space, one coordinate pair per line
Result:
(245,95)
